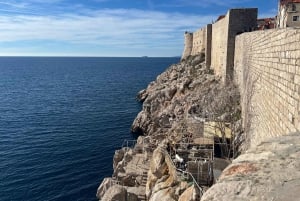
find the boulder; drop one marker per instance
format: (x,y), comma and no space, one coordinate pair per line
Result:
(158,166)
(190,194)
(116,192)
(162,174)
(164,195)
(120,169)
(118,156)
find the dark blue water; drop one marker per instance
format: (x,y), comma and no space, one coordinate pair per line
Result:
(61,120)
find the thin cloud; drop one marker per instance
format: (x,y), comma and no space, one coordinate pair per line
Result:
(106,27)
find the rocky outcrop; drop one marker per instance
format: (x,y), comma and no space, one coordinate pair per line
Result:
(130,165)
(163,182)
(270,171)
(162,176)
(115,192)
(184,95)
(176,103)
(104,186)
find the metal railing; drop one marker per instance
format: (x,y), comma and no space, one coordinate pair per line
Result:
(183,172)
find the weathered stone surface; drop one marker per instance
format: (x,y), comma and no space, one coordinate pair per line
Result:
(161,176)
(142,95)
(133,193)
(158,166)
(104,186)
(129,180)
(132,197)
(118,156)
(269,82)
(115,192)
(185,94)
(270,171)
(164,194)
(119,170)
(189,194)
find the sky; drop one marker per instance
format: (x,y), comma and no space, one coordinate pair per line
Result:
(109,27)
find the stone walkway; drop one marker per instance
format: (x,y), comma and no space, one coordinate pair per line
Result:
(138,165)
(270,171)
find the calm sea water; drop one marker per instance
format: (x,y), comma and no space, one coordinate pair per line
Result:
(61,120)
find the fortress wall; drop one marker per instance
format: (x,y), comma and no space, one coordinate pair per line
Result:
(219,45)
(240,21)
(188,45)
(224,31)
(208,45)
(199,41)
(267,70)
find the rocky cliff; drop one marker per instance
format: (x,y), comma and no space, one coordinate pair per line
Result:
(182,98)
(174,105)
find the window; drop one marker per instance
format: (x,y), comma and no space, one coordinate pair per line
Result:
(293,7)
(295,18)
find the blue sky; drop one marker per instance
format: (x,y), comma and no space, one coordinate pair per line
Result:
(108,27)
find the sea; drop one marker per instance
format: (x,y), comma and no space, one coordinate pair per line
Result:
(62,118)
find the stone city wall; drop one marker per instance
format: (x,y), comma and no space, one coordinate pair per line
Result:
(267,70)
(224,32)
(199,41)
(188,45)
(208,45)
(219,45)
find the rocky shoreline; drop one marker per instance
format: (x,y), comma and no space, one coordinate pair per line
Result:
(175,107)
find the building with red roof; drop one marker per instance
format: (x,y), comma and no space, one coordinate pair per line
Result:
(265,23)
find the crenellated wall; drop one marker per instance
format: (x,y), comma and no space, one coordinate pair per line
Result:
(267,70)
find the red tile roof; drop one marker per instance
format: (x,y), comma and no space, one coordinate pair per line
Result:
(223,16)
(265,23)
(289,1)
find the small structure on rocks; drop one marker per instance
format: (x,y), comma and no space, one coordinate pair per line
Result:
(195,157)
